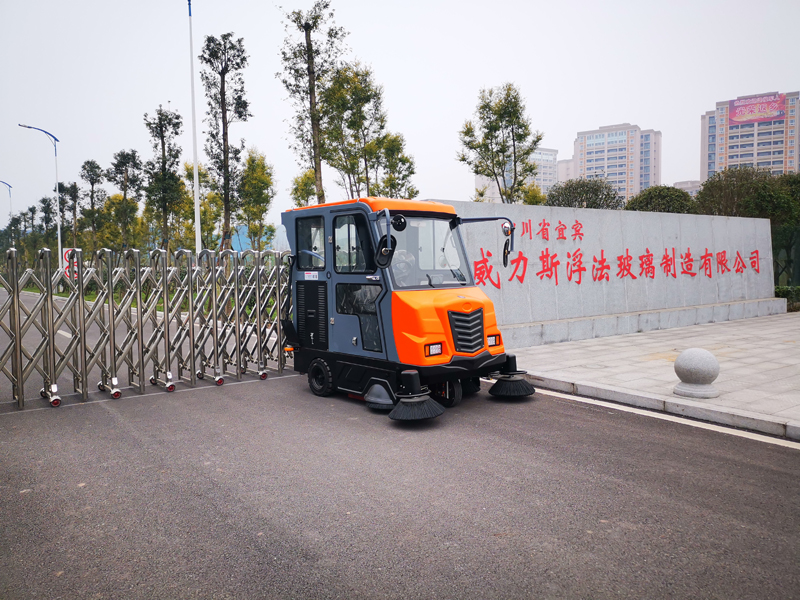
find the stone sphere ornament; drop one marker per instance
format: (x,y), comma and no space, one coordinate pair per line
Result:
(697,369)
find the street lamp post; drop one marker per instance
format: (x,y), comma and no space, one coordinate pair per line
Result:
(10,210)
(54,139)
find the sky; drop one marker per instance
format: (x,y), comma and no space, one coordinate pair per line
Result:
(88,70)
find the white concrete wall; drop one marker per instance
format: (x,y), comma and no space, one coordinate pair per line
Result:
(537,310)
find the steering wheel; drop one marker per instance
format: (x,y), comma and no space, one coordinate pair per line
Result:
(403,266)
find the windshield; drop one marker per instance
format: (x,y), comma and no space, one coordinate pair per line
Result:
(428,254)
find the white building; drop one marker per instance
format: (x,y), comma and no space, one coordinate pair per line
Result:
(566,169)
(692,187)
(628,156)
(755,131)
(546,161)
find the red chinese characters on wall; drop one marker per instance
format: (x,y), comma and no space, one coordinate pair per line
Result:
(550,264)
(600,268)
(673,262)
(483,270)
(575,266)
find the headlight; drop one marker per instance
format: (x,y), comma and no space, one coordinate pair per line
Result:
(433,349)
(493,340)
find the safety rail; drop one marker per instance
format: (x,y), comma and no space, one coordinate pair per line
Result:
(151,317)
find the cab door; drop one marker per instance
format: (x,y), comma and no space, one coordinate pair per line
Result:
(311,283)
(355,319)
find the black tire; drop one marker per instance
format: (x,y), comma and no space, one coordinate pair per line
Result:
(470,386)
(448,394)
(320,379)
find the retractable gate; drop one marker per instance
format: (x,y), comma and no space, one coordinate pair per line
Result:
(151,318)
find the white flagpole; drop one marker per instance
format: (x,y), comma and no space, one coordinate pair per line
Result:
(197,230)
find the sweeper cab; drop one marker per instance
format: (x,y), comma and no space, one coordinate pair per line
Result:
(385,307)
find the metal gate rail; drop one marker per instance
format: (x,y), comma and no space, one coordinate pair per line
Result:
(167,319)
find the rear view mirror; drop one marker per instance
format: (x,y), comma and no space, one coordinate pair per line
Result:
(398,223)
(384,254)
(506,252)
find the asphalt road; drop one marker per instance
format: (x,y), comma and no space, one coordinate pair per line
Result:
(262,490)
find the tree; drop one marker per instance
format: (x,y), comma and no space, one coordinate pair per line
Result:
(210,208)
(306,63)
(786,236)
(256,191)
(395,168)
(165,188)
(724,192)
(303,188)
(500,144)
(532,194)
(120,225)
(353,125)
(69,196)
(224,59)
(584,193)
(664,199)
(93,175)
(47,208)
(126,174)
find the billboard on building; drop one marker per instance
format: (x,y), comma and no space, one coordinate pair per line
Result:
(761,108)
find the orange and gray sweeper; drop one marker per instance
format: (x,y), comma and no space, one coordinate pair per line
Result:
(385,307)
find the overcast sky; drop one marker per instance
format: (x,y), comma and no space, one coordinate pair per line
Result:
(88,70)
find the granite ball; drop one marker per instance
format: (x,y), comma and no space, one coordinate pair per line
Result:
(697,366)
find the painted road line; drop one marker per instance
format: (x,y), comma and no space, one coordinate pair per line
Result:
(666,417)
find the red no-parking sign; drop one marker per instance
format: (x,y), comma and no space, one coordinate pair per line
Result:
(71,265)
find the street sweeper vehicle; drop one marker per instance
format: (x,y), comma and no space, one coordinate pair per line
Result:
(385,307)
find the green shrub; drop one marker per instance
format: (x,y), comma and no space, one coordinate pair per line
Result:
(792,295)
(663,198)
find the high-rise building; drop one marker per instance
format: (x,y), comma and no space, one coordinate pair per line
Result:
(755,131)
(566,169)
(628,156)
(546,160)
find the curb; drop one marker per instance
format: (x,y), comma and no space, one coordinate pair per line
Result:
(711,413)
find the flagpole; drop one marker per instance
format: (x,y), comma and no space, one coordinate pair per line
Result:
(197,229)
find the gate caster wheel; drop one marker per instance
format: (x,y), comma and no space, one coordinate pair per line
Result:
(171,387)
(153,380)
(219,381)
(42,393)
(448,393)
(262,376)
(200,374)
(55,401)
(101,387)
(320,379)
(116,394)
(243,370)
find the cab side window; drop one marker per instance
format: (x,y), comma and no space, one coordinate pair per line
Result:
(311,237)
(351,244)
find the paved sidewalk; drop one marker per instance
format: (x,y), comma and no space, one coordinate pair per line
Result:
(759,379)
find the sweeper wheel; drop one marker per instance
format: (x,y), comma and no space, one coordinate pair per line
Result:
(448,393)
(320,379)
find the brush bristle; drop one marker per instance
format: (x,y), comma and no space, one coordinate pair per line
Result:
(470,386)
(416,411)
(512,387)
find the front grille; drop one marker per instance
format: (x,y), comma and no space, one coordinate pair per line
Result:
(467,330)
